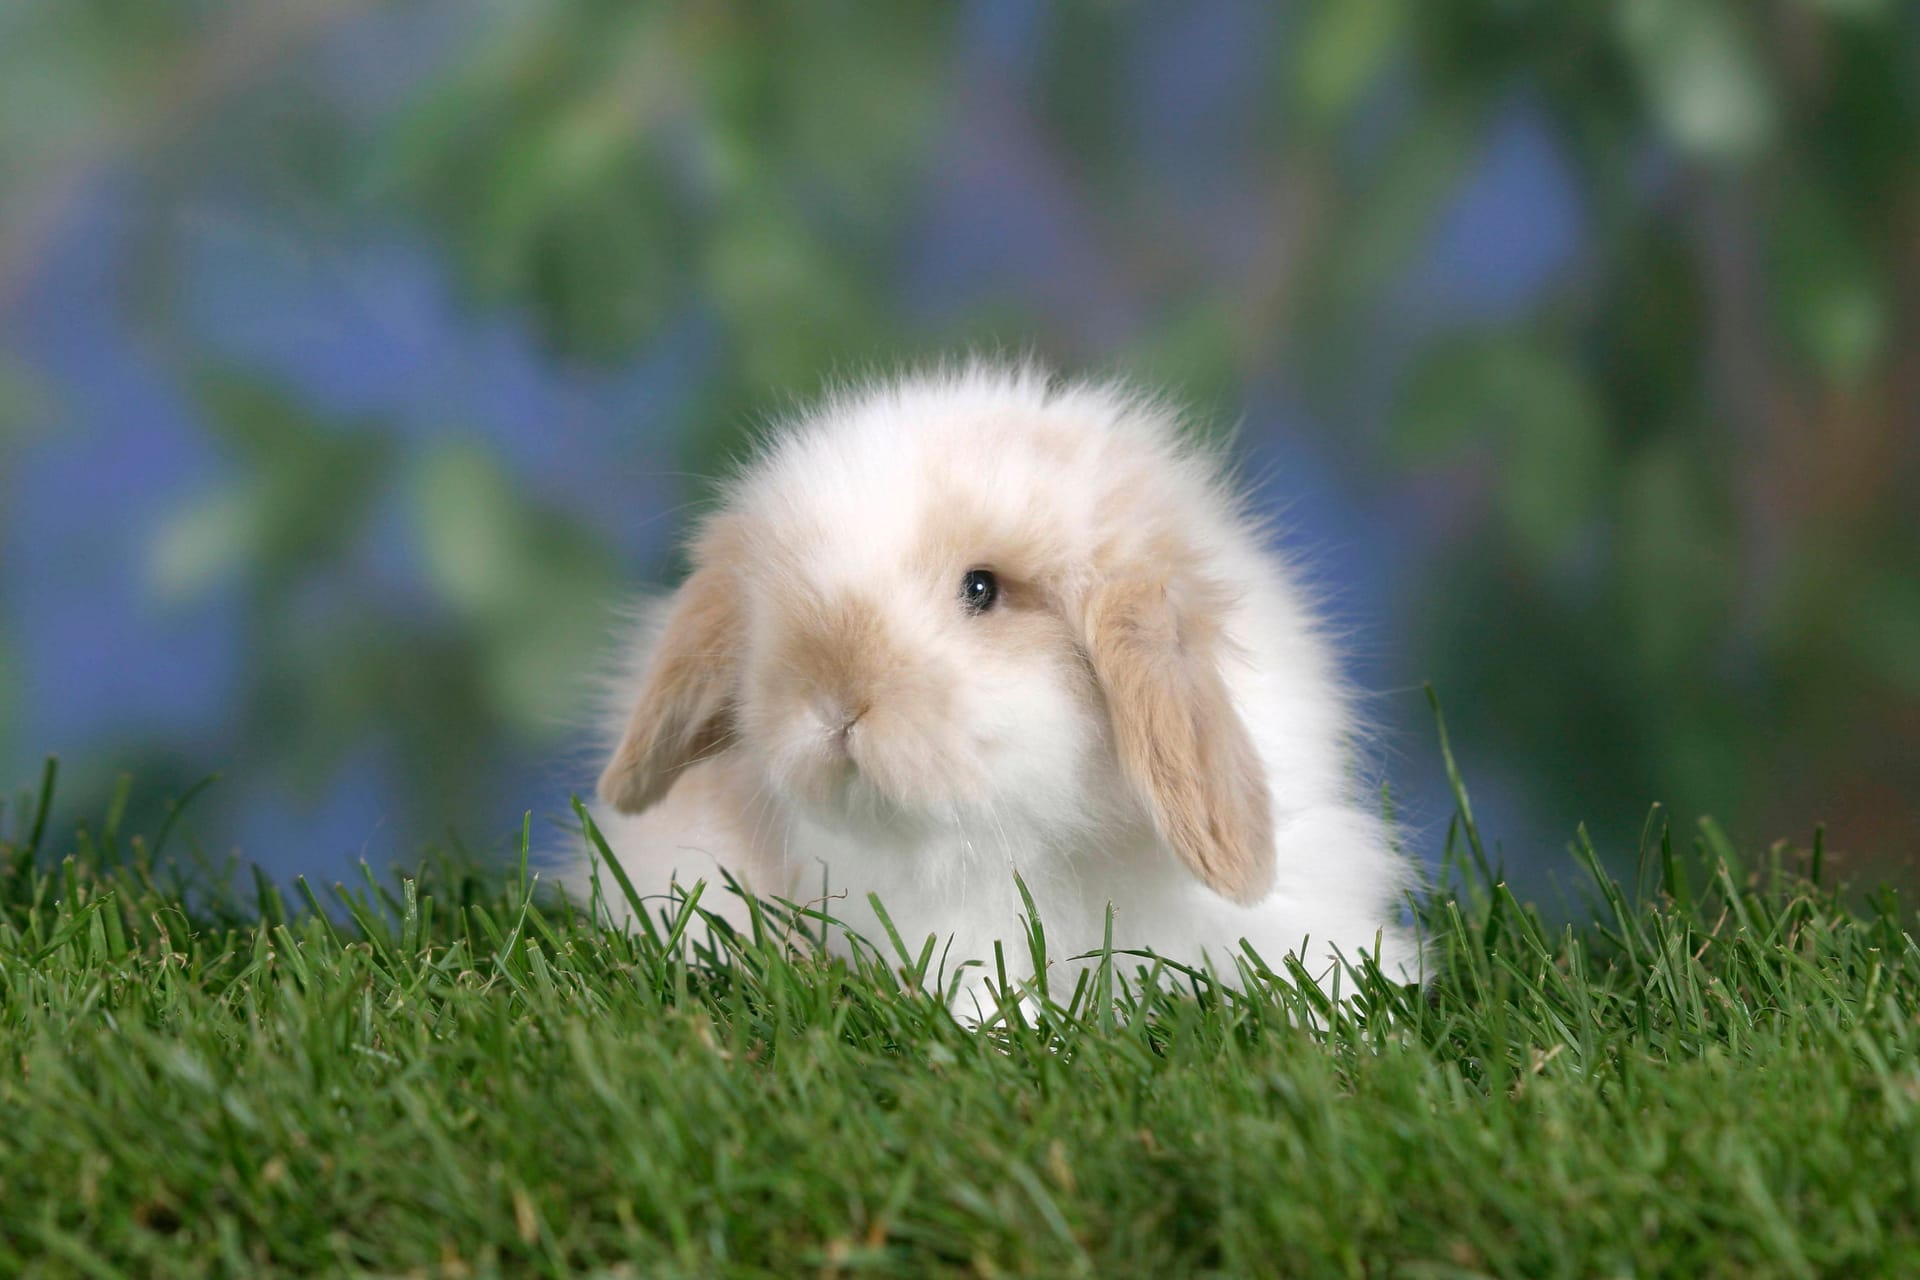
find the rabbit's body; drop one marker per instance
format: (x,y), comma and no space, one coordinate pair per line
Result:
(965,625)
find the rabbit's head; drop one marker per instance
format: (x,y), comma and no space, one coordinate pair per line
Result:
(971,602)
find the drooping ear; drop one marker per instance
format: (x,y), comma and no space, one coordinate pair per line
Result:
(683,711)
(1181,743)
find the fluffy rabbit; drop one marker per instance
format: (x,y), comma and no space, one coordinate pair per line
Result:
(961,624)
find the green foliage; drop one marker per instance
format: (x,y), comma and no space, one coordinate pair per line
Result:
(515,576)
(1714,1073)
(1687,409)
(523,593)
(1517,400)
(1664,459)
(305,493)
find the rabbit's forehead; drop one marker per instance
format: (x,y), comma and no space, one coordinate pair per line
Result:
(877,506)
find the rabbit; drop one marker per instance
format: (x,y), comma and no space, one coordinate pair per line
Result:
(954,625)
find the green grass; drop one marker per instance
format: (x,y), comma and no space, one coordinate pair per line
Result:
(452,1076)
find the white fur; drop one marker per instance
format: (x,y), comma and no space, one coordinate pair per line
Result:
(1020,772)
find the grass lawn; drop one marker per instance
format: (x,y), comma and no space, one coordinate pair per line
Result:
(1714,1074)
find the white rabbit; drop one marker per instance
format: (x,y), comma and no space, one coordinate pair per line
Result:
(973,622)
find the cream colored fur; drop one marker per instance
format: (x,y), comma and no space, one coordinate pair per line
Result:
(1149,716)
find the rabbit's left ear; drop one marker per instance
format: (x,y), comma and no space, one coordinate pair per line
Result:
(1180,741)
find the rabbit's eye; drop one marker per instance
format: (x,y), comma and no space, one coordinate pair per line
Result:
(978,590)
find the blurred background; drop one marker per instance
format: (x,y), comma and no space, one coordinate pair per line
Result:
(356,358)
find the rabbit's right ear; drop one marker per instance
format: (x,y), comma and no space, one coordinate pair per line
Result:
(684,711)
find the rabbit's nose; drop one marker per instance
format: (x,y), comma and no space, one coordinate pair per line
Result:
(838,720)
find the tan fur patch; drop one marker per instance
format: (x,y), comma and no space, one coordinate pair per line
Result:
(682,712)
(843,652)
(841,649)
(1179,739)
(1024,552)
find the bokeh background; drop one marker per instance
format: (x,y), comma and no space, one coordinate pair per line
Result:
(355,358)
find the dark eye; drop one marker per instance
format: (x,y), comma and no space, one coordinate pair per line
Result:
(978,590)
